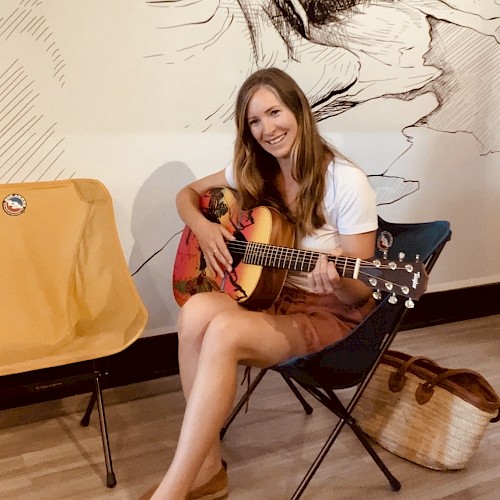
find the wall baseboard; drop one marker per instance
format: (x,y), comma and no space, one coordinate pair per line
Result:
(156,356)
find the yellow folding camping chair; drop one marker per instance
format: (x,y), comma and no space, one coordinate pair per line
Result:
(66,293)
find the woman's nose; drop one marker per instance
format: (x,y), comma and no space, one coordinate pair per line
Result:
(267,126)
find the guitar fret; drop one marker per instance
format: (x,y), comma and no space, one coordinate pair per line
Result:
(296,261)
(310,267)
(272,257)
(288,256)
(282,260)
(301,254)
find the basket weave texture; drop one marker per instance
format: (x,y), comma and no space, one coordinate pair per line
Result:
(425,413)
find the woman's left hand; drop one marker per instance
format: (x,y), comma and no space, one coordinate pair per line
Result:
(324,278)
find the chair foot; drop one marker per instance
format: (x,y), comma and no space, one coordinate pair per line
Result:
(395,484)
(110,480)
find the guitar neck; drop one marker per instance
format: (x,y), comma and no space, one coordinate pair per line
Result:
(263,254)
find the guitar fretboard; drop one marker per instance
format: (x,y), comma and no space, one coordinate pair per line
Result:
(263,254)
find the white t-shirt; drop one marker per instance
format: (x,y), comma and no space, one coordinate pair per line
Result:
(349,207)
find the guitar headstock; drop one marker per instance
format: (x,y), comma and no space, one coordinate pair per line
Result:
(399,278)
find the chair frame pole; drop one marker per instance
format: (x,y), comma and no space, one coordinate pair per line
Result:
(110,475)
(97,397)
(242,402)
(237,408)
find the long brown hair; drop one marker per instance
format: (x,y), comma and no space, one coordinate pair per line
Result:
(256,171)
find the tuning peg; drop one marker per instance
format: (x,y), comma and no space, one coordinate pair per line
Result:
(409,304)
(377,295)
(401,256)
(393,299)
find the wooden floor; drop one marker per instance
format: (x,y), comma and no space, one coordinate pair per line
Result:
(45,454)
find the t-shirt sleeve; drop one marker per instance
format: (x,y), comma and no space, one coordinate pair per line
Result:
(357,207)
(230,176)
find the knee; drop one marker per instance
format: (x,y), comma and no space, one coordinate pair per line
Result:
(195,316)
(224,334)
(189,320)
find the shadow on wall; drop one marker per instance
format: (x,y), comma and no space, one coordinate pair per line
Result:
(156,230)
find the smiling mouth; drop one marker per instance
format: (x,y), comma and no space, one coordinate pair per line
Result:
(277,140)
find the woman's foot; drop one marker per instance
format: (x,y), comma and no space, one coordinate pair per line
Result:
(214,489)
(148,494)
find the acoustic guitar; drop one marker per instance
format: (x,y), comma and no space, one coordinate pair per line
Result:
(263,253)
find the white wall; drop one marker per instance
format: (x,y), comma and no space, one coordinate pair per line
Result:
(140,96)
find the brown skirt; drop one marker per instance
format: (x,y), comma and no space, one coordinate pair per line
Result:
(322,318)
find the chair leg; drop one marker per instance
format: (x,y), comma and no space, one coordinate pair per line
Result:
(334,405)
(110,475)
(84,422)
(318,460)
(307,407)
(96,397)
(242,402)
(395,484)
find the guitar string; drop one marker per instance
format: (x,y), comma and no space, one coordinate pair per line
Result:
(266,248)
(296,254)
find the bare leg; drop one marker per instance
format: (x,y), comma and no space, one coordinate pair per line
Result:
(193,321)
(232,337)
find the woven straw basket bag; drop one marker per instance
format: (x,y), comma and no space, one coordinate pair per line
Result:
(425,413)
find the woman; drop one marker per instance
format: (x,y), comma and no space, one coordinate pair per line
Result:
(280,161)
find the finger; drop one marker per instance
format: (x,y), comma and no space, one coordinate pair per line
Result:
(213,263)
(223,257)
(333,276)
(315,278)
(228,235)
(326,282)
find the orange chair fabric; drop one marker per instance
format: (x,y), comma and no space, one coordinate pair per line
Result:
(66,294)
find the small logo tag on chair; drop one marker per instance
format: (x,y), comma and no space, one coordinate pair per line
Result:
(14,204)
(384,242)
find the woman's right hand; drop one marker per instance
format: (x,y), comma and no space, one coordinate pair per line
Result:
(211,236)
(212,239)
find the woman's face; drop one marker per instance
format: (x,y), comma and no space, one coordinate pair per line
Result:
(272,124)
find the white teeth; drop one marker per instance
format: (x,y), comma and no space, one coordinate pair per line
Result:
(278,139)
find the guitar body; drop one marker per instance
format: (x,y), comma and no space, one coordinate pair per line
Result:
(254,286)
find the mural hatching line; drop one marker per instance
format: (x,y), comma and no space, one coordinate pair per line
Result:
(23,21)
(29,147)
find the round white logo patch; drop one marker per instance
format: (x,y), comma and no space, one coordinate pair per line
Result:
(14,204)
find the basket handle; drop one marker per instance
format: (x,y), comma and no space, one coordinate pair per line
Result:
(425,390)
(397,379)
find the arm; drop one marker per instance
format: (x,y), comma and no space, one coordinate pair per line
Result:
(211,236)
(325,278)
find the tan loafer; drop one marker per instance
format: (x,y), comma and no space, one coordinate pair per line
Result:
(215,489)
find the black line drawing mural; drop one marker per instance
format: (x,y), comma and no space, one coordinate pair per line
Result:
(406,88)
(348,52)
(30,142)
